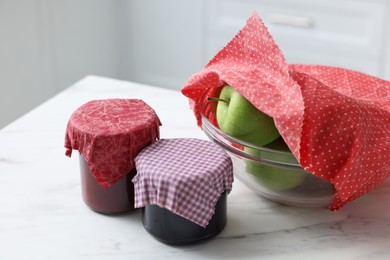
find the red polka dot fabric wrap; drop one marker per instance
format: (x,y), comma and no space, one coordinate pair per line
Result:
(184,175)
(335,121)
(109,134)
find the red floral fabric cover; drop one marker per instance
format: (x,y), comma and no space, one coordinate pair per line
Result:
(335,121)
(109,134)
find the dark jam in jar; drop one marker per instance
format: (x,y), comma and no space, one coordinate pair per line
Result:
(174,229)
(182,185)
(109,134)
(116,199)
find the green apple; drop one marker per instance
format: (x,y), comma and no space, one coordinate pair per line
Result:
(271,176)
(237,117)
(282,152)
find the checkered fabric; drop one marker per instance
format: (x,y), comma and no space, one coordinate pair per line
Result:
(184,175)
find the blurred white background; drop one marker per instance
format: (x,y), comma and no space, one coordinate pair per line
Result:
(47,45)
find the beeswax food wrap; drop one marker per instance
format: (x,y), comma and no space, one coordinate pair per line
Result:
(335,121)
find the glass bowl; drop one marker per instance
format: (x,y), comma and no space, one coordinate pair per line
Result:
(272,173)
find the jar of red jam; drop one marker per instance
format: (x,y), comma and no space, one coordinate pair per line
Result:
(109,134)
(182,186)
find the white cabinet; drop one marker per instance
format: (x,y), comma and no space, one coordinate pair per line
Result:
(47,45)
(346,33)
(386,48)
(164,43)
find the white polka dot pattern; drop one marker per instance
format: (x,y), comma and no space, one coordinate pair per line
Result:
(253,64)
(335,121)
(345,136)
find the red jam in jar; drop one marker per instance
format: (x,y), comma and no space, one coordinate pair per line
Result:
(109,134)
(116,199)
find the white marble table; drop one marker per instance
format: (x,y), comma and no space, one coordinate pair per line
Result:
(42,215)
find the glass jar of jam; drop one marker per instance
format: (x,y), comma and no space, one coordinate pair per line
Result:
(171,228)
(109,134)
(182,185)
(118,198)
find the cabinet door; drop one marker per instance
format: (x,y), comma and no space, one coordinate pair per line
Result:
(386,67)
(345,33)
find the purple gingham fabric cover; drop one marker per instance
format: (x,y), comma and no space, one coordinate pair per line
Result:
(184,175)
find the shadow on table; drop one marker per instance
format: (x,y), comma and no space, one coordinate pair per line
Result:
(363,227)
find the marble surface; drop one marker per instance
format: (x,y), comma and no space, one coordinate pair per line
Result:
(42,215)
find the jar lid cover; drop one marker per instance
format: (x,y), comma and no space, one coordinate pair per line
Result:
(109,133)
(183,175)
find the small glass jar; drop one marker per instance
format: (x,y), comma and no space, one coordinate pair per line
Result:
(173,229)
(182,185)
(116,199)
(108,135)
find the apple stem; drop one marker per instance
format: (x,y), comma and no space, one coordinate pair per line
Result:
(217,99)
